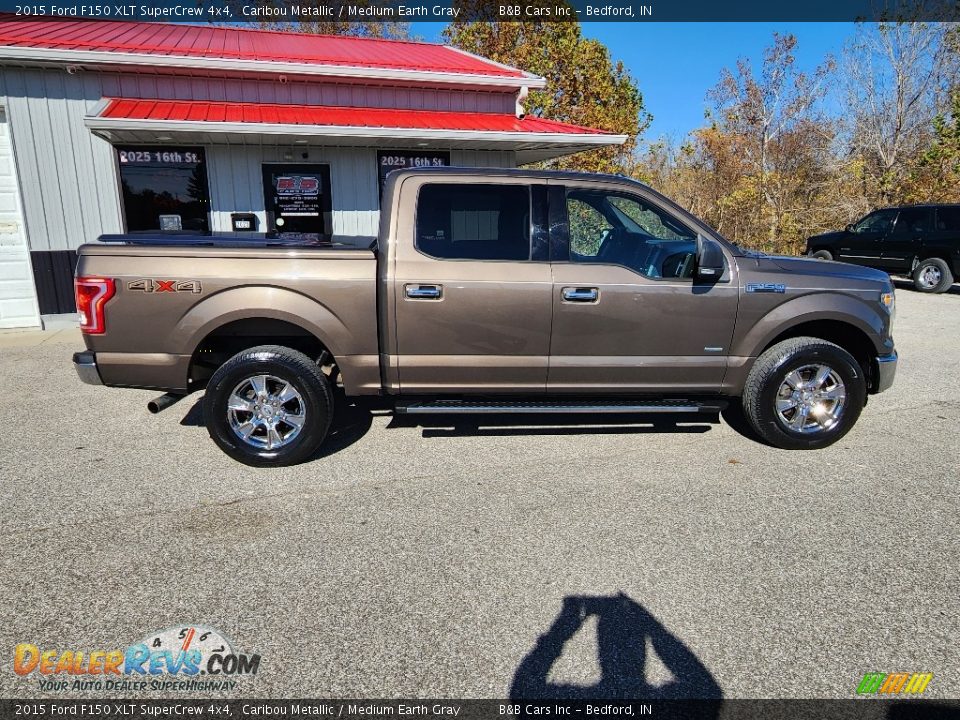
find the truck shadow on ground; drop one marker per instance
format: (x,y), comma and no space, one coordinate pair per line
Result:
(351,421)
(626,635)
(505,425)
(353,418)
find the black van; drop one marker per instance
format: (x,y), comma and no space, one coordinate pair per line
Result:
(922,241)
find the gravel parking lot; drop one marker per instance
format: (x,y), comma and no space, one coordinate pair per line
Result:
(425,561)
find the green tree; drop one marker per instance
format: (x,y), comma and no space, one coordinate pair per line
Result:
(584,85)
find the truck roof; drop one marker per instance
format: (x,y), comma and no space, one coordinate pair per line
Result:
(514,172)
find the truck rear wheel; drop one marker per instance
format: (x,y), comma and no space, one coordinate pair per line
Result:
(268,406)
(804,393)
(822,255)
(932,276)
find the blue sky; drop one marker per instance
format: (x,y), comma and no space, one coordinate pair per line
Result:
(675,64)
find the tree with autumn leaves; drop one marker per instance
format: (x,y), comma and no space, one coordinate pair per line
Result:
(787,154)
(585,86)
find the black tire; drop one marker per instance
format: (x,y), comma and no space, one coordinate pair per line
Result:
(822,255)
(769,374)
(932,275)
(311,405)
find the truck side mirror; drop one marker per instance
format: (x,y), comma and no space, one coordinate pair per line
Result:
(849,227)
(710,259)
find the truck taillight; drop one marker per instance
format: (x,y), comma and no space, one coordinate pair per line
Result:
(92,294)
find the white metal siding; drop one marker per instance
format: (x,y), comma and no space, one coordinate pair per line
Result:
(236,180)
(68,175)
(18,300)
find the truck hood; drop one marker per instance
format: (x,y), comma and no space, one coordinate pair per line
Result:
(812,269)
(828,237)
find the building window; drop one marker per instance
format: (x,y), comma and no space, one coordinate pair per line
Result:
(164,189)
(474,222)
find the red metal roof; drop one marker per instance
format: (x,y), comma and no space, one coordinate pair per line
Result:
(228,112)
(230,43)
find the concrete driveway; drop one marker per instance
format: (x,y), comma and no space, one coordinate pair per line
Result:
(427,560)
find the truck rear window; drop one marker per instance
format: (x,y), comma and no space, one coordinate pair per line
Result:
(474,221)
(948,218)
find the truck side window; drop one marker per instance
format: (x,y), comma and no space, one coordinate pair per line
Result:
(877,222)
(474,221)
(621,229)
(913,220)
(948,218)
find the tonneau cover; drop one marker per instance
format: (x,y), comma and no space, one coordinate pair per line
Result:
(242,240)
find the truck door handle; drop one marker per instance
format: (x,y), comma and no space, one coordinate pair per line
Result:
(580,294)
(424,292)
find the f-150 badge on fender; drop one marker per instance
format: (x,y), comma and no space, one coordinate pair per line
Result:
(766,288)
(160,286)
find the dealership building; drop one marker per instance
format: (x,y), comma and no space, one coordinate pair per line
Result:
(110,127)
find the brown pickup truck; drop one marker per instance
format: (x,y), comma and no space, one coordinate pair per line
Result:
(487,291)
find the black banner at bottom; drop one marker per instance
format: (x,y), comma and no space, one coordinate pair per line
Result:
(859,709)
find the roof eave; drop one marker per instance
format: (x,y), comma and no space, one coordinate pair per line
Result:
(352,131)
(96,57)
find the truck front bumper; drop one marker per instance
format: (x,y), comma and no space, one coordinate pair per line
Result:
(884,370)
(85,363)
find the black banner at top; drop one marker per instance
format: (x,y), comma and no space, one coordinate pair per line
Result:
(295,11)
(601,709)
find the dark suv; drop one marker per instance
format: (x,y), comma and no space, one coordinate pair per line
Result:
(922,241)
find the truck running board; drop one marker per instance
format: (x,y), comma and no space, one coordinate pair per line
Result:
(586,407)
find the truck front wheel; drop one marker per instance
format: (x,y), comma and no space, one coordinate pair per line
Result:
(268,406)
(804,393)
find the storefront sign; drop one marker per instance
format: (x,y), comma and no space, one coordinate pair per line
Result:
(388,160)
(297,198)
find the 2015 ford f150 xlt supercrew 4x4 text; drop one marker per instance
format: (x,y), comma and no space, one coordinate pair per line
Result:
(502,291)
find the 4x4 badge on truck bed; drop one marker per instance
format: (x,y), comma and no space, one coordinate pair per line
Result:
(157,286)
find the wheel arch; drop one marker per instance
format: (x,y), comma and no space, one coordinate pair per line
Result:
(848,336)
(827,310)
(841,319)
(245,317)
(940,254)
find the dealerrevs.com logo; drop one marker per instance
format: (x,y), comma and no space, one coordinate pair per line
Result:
(187,657)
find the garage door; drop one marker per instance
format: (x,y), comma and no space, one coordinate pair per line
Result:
(18,299)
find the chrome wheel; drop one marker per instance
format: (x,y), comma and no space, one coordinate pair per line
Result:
(811,399)
(929,277)
(266,412)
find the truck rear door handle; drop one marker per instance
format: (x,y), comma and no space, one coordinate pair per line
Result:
(424,292)
(581,294)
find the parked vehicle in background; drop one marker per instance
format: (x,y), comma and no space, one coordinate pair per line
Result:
(918,241)
(488,291)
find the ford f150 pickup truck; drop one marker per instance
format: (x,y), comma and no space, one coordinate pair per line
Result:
(507,291)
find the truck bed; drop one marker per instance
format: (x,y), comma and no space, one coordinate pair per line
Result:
(173,293)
